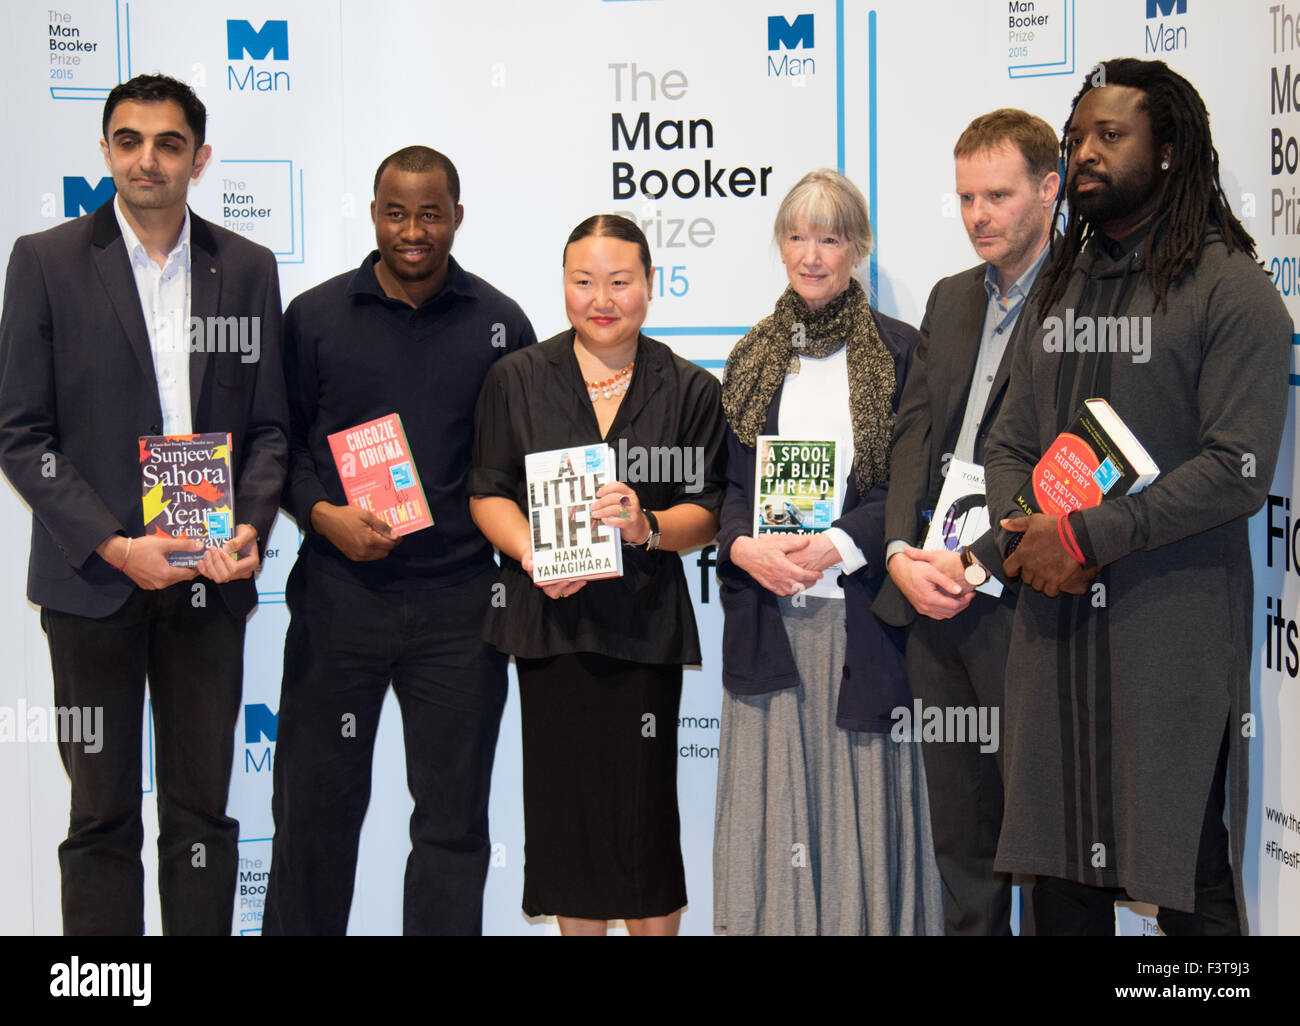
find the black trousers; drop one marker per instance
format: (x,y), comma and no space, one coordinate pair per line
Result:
(345,644)
(1067,908)
(961,663)
(190,648)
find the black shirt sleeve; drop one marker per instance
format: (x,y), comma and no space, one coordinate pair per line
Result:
(303,487)
(704,429)
(497,467)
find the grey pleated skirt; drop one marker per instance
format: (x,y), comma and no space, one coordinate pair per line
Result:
(819,830)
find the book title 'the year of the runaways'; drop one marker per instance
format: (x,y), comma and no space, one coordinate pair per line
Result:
(185,484)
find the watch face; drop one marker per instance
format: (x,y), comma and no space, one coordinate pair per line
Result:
(976,574)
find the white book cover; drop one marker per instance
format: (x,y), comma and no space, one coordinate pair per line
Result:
(961,515)
(568,545)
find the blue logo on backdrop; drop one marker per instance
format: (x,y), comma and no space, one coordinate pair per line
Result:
(80,197)
(243,42)
(259,723)
(785,34)
(272,38)
(1159,8)
(790,34)
(1163,37)
(259,730)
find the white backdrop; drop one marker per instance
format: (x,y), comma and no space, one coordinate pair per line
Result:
(305,97)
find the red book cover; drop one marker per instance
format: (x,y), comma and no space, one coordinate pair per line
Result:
(1095,457)
(378,473)
(185,485)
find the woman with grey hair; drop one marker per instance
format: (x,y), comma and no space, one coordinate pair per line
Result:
(822,824)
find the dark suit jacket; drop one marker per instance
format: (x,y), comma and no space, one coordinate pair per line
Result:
(756,653)
(77,384)
(929,419)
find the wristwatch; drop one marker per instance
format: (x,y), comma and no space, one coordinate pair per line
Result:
(652,542)
(975,571)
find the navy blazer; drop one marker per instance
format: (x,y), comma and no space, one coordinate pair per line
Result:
(77,388)
(756,654)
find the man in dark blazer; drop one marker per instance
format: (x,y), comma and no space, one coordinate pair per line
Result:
(1007,183)
(143,319)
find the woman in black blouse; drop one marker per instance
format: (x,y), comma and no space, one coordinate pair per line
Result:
(600,662)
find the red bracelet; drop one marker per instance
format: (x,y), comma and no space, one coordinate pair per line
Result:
(1066,533)
(122,568)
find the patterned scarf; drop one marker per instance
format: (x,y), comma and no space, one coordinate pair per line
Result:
(771,350)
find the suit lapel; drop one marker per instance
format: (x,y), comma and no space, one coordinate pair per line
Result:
(205,298)
(953,375)
(1002,376)
(113,264)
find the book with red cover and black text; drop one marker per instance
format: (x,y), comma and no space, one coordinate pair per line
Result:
(378,473)
(1095,458)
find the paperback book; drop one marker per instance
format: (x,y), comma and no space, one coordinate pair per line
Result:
(798,486)
(961,515)
(378,474)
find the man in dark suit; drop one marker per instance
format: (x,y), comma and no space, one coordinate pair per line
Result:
(143,319)
(1007,182)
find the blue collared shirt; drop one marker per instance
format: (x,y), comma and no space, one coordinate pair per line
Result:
(999,319)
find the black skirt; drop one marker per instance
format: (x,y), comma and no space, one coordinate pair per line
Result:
(602,831)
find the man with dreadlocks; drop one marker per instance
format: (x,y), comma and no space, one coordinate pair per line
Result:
(1128,675)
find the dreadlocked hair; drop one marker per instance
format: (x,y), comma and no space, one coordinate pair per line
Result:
(1192,197)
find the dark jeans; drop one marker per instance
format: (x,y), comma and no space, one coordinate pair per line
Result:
(193,658)
(961,662)
(1064,907)
(344,646)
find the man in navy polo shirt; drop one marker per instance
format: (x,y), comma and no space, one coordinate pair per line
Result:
(409,332)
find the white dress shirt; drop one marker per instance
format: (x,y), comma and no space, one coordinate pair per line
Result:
(165,301)
(815,405)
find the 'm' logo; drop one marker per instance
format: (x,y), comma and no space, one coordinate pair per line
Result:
(797,33)
(80,197)
(259,723)
(272,38)
(1158,8)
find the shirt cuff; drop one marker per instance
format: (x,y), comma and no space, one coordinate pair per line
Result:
(893,548)
(851,558)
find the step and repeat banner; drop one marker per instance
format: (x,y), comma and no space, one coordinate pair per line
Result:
(692,116)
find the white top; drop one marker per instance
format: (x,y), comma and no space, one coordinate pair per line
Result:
(165,300)
(815,404)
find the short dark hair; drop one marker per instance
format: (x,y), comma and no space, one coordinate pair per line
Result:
(1031,135)
(160,89)
(615,227)
(417,160)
